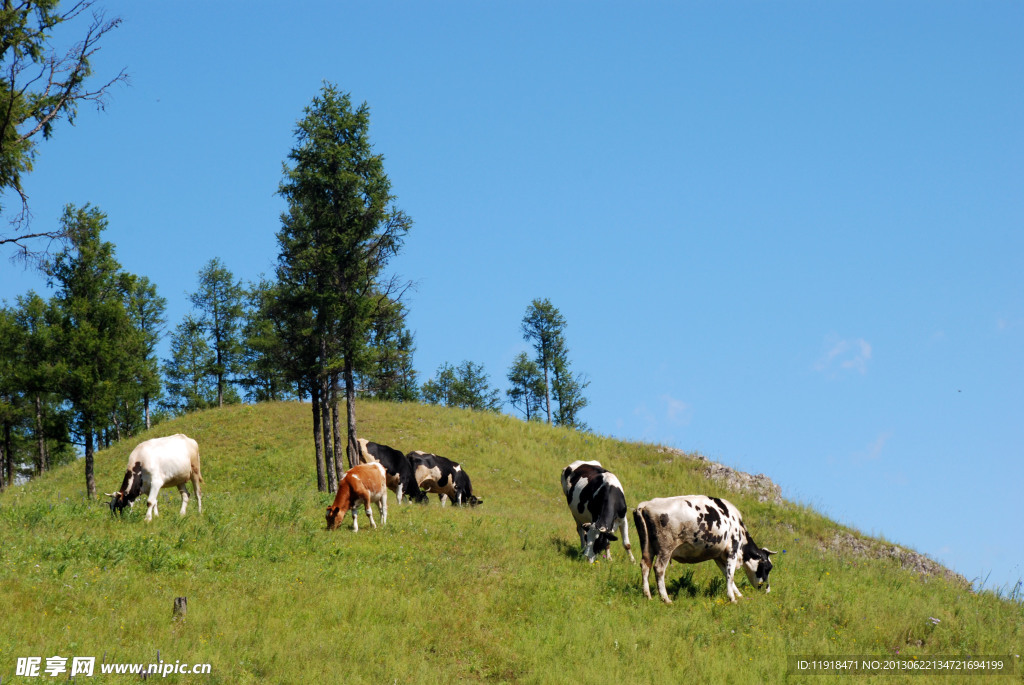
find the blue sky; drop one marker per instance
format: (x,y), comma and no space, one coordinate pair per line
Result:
(787,235)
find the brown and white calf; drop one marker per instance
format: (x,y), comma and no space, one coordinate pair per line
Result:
(401,476)
(159,463)
(696,528)
(363,484)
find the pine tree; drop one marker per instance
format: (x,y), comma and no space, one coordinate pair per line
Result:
(262,356)
(93,325)
(219,301)
(388,371)
(542,326)
(527,393)
(466,386)
(338,234)
(146,310)
(190,385)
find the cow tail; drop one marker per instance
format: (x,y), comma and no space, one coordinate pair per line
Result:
(648,542)
(196,471)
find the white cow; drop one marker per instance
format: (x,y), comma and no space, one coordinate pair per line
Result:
(159,463)
(696,528)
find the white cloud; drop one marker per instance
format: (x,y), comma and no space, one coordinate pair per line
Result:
(677,412)
(873,452)
(844,355)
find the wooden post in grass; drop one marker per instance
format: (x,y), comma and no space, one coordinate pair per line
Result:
(180,607)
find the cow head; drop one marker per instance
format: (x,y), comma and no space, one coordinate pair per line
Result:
(472,500)
(334,517)
(757,565)
(131,488)
(598,539)
(420,497)
(118,501)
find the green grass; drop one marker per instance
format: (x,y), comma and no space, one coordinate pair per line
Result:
(497,593)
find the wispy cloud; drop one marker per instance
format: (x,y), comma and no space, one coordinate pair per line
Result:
(844,355)
(873,452)
(677,412)
(669,413)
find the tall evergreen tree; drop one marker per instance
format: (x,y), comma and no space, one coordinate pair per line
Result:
(441,388)
(219,300)
(36,361)
(466,386)
(527,393)
(337,236)
(542,327)
(147,312)
(262,357)
(388,372)
(93,325)
(11,410)
(190,385)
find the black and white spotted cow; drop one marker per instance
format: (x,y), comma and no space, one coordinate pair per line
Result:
(443,476)
(696,528)
(401,477)
(598,503)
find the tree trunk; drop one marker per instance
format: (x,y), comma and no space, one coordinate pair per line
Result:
(321,484)
(117,426)
(90,478)
(336,421)
(145,405)
(8,463)
(547,392)
(350,411)
(40,437)
(325,418)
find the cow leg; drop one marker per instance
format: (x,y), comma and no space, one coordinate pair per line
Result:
(199,494)
(398,492)
(153,499)
(369,512)
(355,518)
(728,570)
(660,566)
(444,499)
(382,506)
(624,530)
(645,577)
(184,498)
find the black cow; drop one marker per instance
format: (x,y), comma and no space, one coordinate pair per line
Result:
(598,504)
(401,478)
(447,478)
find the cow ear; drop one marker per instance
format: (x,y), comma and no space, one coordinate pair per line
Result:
(611,537)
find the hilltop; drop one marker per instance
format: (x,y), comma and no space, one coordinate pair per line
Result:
(496,593)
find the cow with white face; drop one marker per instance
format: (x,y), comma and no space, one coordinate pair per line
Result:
(696,528)
(598,503)
(159,463)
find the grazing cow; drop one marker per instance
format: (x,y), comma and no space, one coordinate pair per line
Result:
(695,528)
(598,504)
(401,476)
(362,484)
(155,464)
(445,477)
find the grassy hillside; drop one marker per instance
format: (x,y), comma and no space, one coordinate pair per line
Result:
(497,593)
